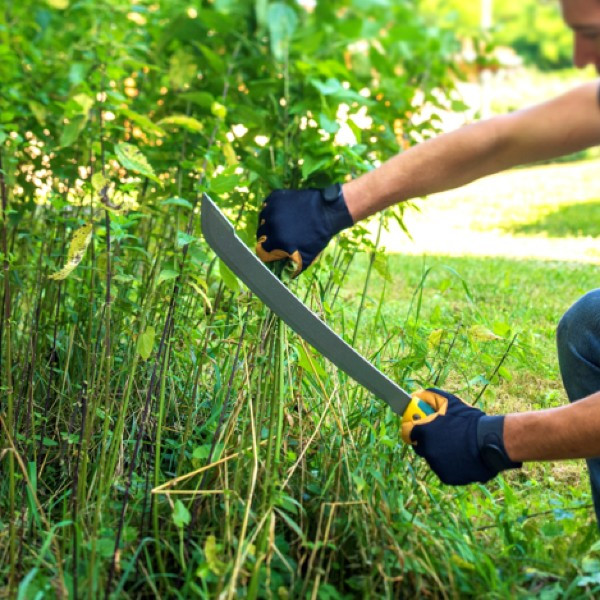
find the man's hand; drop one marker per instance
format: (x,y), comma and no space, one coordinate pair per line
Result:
(298,224)
(461,443)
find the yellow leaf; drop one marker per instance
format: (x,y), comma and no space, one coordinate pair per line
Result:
(218,110)
(79,243)
(480,333)
(459,561)
(230,155)
(99,181)
(211,550)
(183,122)
(435,337)
(202,295)
(58,4)
(131,157)
(136,18)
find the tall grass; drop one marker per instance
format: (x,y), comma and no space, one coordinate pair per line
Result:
(234,461)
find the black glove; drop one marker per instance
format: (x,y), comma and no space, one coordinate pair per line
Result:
(461,443)
(298,224)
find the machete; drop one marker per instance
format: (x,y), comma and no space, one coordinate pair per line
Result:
(221,237)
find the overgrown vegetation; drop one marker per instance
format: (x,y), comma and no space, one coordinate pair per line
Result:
(162,435)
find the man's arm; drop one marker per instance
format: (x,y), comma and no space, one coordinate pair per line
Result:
(571,431)
(561,126)
(298,224)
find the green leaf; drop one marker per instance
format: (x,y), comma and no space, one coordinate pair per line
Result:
(144,122)
(203,452)
(329,125)
(24,592)
(304,361)
(183,239)
(590,565)
(505,373)
(182,68)
(166,275)
(85,103)
(131,157)
(359,481)
(261,11)
(332,87)
(282,22)
(223,184)
(181,515)
(228,277)
(312,164)
(592,580)
(183,122)
(212,58)
(177,201)
(145,342)
(72,130)
(292,525)
(39,112)
(202,99)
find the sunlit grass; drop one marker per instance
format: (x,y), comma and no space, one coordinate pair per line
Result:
(543,212)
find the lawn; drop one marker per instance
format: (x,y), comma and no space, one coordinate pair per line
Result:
(546,212)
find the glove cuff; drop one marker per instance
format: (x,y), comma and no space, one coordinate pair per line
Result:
(490,441)
(336,211)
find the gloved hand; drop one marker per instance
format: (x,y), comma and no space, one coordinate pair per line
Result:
(298,224)
(461,443)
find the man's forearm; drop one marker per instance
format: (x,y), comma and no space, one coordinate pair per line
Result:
(571,431)
(447,161)
(566,124)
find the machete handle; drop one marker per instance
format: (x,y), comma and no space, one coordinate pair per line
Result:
(416,410)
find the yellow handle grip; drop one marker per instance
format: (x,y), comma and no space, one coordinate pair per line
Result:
(416,410)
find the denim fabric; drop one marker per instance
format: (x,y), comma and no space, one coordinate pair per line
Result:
(578,339)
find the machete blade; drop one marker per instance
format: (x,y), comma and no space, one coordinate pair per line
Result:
(221,237)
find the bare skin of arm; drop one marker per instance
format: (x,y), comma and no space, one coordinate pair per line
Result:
(557,433)
(566,124)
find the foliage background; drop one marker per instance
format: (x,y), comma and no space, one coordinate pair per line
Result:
(533,28)
(132,358)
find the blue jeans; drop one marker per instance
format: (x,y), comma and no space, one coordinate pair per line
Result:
(578,339)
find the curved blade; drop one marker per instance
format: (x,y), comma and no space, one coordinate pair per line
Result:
(221,237)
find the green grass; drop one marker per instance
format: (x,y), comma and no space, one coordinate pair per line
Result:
(275,475)
(567,221)
(545,212)
(545,518)
(542,522)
